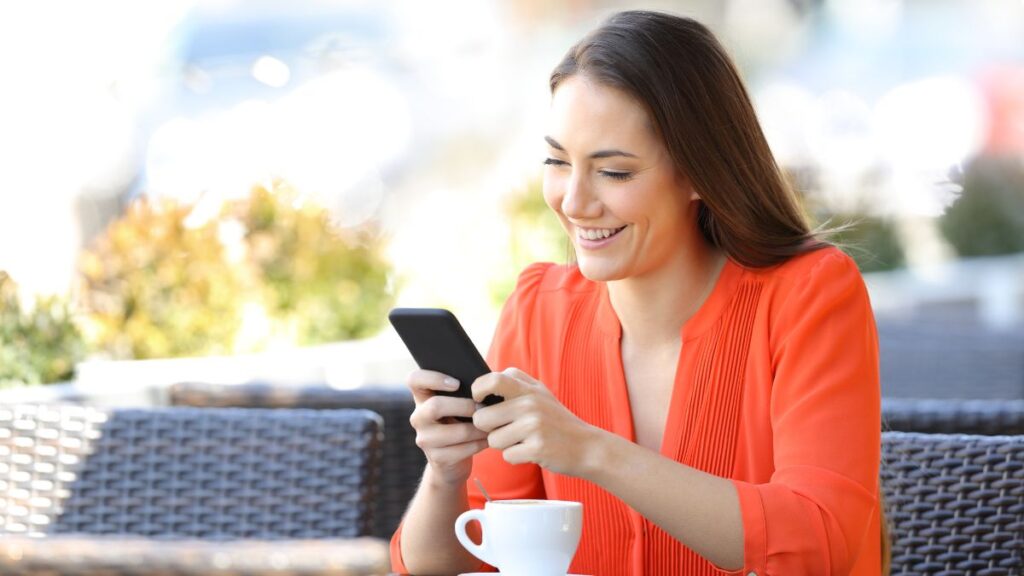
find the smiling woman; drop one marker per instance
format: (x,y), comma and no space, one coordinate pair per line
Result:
(614,187)
(746,208)
(689,377)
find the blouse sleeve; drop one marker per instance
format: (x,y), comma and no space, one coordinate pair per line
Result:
(510,347)
(813,515)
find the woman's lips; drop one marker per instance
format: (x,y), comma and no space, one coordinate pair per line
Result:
(594,238)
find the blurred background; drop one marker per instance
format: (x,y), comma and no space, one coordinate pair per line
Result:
(248,186)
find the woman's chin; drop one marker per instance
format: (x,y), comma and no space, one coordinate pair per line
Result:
(598,271)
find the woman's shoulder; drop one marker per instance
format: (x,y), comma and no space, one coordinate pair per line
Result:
(541,301)
(826,264)
(816,277)
(819,280)
(552,279)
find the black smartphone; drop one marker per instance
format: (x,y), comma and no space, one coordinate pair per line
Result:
(437,342)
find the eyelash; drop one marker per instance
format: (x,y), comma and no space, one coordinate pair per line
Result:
(620,176)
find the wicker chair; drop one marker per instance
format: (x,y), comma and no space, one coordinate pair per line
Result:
(926,359)
(187,473)
(955,503)
(402,461)
(947,416)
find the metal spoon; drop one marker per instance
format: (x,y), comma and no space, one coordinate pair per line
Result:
(481,487)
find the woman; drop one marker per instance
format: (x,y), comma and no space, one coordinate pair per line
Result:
(704,378)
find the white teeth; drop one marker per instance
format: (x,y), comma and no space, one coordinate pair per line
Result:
(595,233)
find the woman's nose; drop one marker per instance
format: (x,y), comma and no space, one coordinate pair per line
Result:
(579,201)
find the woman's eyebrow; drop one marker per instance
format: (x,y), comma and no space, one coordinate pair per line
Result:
(599,154)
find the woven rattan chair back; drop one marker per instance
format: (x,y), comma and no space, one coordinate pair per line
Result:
(952,416)
(955,503)
(402,461)
(187,473)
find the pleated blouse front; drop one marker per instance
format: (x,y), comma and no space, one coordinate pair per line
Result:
(776,388)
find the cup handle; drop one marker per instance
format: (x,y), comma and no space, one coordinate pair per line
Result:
(481,551)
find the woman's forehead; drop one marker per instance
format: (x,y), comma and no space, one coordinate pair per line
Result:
(584,109)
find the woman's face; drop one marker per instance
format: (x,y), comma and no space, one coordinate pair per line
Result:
(610,180)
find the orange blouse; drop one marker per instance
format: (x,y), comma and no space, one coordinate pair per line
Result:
(777,389)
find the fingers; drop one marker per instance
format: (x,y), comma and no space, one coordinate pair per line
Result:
(518,454)
(491,418)
(442,437)
(459,453)
(508,384)
(437,408)
(448,445)
(513,433)
(426,383)
(513,372)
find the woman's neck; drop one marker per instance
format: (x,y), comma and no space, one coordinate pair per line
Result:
(653,308)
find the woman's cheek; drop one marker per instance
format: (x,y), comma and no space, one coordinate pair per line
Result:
(553,188)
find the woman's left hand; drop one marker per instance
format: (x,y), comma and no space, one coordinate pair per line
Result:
(531,425)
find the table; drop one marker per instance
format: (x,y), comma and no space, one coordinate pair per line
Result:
(133,556)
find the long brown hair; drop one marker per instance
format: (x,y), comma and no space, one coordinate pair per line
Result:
(677,69)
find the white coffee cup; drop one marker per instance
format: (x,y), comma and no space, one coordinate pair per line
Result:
(525,537)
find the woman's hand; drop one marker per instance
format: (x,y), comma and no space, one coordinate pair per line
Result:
(447,443)
(531,425)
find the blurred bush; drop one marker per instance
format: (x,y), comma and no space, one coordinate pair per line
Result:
(317,282)
(988,217)
(535,235)
(37,346)
(159,283)
(871,241)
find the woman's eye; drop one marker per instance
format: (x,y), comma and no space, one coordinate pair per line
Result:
(617,175)
(555,162)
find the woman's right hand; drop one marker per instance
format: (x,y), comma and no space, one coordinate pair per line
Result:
(448,443)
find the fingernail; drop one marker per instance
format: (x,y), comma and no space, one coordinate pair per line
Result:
(452,383)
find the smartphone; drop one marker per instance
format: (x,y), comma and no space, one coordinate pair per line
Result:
(437,342)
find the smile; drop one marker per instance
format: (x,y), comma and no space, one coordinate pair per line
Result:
(597,233)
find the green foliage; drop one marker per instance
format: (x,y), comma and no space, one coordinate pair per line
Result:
(535,234)
(317,282)
(871,241)
(155,285)
(39,345)
(988,217)
(159,284)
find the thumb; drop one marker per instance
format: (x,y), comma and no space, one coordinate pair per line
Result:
(513,372)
